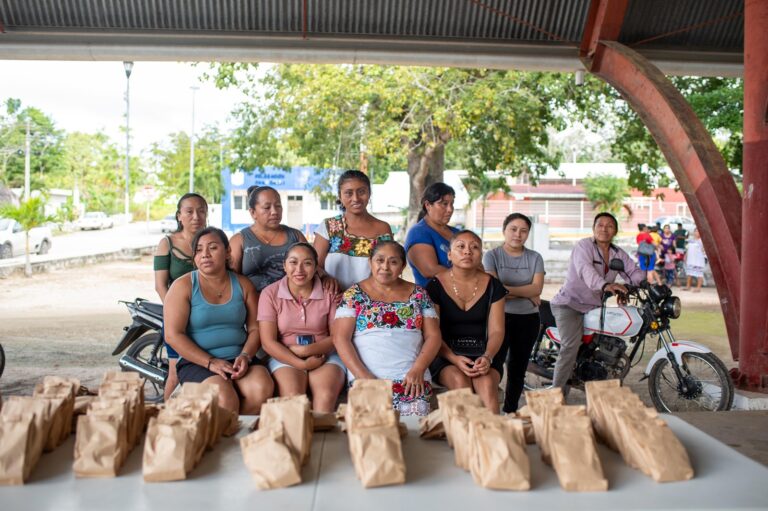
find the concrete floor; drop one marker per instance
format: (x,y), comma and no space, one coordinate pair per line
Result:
(744,431)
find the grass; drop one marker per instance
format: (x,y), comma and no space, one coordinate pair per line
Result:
(704,325)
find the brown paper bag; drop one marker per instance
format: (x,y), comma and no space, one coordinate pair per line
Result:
(546,416)
(135,396)
(341,412)
(536,402)
(190,425)
(530,436)
(42,412)
(447,401)
(229,422)
(81,408)
(16,439)
(431,426)
(574,454)
(462,442)
(168,452)
(98,449)
(208,392)
(271,462)
(64,395)
(499,459)
(605,407)
(368,395)
(115,410)
(374,444)
(294,414)
(323,421)
(201,411)
(654,447)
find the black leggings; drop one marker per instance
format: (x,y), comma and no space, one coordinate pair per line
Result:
(520,334)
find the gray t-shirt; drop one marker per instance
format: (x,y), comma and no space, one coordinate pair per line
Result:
(515,271)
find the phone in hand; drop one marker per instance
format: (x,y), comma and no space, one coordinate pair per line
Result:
(304,340)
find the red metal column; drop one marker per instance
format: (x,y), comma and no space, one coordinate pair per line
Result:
(698,166)
(753,342)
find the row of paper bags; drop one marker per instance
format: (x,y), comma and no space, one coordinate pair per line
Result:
(31,425)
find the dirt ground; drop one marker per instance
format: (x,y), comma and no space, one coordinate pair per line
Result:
(68,322)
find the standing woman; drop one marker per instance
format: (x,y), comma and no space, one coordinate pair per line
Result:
(387,328)
(470,304)
(344,243)
(295,316)
(173,258)
(428,242)
(210,319)
(258,251)
(521,270)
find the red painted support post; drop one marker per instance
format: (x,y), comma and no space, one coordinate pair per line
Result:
(753,342)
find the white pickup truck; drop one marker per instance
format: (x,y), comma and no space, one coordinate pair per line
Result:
(12,242)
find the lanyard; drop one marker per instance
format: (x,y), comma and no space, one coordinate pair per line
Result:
(602,259)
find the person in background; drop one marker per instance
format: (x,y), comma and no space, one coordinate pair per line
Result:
(589,276)
(470,303)
(173,258)
(647,261)
(667,238)
(655,236)
(521,270)
(258,251)
(210,320)
(681,238)
(344,242)
(428,242)
(695,262)
(295,316)
(387,328)
(670,275)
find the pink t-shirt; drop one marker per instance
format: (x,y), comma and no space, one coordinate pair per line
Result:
(312,316)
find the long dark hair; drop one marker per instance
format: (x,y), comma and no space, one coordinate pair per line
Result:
(210,230)
(434,193)
(349,175)
(190,195)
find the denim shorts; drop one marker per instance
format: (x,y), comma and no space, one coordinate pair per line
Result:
(331,358)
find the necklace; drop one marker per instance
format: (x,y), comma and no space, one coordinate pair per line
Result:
(456,291)
(217,293)
(268,241)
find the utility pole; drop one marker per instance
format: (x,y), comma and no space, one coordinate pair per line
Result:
(27,162)
(128,68)
(192,144)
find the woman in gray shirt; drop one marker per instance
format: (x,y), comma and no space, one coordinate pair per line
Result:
(521,270)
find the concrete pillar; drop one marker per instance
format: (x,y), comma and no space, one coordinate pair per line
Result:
(753,341)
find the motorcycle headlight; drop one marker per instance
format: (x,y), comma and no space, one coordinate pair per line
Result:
(672,307)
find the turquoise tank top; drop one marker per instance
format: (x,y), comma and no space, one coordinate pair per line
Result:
(219,329)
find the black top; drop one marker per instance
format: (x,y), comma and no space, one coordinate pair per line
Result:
(455,322)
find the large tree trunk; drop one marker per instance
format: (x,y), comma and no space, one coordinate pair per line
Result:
(425,166)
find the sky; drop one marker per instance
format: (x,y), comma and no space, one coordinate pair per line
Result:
(89,97)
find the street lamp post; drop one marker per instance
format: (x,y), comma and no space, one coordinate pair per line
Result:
(192,144)
(128,68)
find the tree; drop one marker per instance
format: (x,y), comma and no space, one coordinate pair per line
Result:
(323,115)
(480,186)
(606,193)
(29,214)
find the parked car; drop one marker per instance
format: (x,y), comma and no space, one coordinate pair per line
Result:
(168,224)
(13,242)
(688,223)
(94,220)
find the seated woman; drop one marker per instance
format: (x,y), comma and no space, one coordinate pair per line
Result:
(387,328)
(295,315)
(471,307)
(210,320)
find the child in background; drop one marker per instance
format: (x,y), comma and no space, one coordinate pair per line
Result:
(669,266)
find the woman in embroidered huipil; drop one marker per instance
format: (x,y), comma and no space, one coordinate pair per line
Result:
(345,242)
(387,328)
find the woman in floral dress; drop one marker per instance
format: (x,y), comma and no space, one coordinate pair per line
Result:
(387,328)
(344,242)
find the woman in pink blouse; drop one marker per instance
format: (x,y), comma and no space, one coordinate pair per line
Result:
(295,316)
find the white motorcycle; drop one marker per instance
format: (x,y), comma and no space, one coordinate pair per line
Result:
(682,375)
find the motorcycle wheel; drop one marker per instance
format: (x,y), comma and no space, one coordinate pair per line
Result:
(2,360)
(711,386)
(142,349)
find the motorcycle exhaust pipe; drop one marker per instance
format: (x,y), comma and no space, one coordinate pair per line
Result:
(155,374)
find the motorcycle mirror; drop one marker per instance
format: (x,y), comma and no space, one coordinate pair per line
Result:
(616,264)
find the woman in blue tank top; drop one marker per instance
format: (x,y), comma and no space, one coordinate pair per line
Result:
(210,319)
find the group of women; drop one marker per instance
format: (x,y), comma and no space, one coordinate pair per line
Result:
(266,312)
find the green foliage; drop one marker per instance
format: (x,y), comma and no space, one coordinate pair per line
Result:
(480,186)
(172,159)
(606,193)
(29,214)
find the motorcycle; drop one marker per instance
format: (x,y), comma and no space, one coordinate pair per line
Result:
(2,360)
(145,348)
(682,375)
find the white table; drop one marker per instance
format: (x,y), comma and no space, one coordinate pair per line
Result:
(724,480)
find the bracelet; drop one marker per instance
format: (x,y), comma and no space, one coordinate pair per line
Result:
(209,363)
(247,357)
(486,356)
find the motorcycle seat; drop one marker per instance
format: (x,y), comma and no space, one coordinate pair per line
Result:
(155,309)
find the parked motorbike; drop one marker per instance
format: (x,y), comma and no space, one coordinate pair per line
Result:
(2,360)
(682,375)
(145,348)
